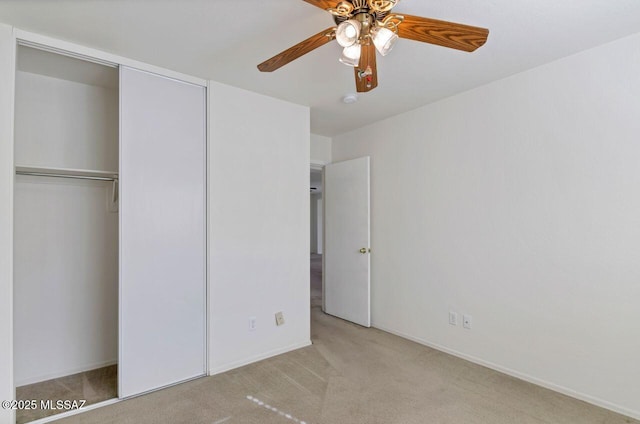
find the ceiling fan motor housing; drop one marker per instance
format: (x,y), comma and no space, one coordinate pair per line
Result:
(376,9)
(366,21)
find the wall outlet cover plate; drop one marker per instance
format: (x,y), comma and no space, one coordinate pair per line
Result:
(279,318)
(467,321)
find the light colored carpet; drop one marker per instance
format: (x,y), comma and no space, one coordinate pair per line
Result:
(354,375)
(93,386)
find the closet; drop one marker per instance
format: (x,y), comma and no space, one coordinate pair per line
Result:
(109,229)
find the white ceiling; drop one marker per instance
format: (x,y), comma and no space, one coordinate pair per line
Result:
(225,40)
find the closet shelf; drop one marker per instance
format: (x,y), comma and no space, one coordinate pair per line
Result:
(85,174)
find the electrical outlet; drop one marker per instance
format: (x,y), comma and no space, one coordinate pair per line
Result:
(279,318)
(252,323)
(453,318)
(466,321)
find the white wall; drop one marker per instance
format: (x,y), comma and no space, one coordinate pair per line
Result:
(7,57)
(320,225)
(320,155)
(65,124)
(320,149)
(66,278)
(313,228)
(259,259)
(66,240)
(518,203)
(317,223)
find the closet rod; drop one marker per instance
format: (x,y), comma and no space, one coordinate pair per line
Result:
(78,177)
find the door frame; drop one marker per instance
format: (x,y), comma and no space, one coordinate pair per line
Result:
(316,165)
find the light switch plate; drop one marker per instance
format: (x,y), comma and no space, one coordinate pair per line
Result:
(453,318)
(279,318)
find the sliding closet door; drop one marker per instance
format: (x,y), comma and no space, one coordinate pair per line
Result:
(162,239)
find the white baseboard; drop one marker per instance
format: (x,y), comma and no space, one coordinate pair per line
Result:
(255,358)
(62,415)
(525,377)
(64,373)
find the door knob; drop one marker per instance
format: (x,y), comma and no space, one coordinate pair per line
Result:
(363,250)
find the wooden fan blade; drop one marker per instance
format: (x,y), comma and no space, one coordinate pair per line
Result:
(442,33)
(367,63)
(323,4)
(300,49)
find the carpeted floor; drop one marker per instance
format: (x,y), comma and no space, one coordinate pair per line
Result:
(354,375)
(94,386)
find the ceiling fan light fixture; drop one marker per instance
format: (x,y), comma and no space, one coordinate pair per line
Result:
(366,28)
(384,39)
(351,55)
(348,33)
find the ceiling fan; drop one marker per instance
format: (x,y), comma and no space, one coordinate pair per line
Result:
(364,26)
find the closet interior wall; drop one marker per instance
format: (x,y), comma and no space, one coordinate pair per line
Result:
(65,230)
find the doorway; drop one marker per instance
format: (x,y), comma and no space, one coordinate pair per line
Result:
(346,285)
(87,328)
(65,232)
(316,236)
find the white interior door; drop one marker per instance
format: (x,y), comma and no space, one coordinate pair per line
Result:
(162,231)
(346,245)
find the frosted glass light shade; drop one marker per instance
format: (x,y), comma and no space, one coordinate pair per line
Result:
(348,32)
(384,39)
(351,55)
